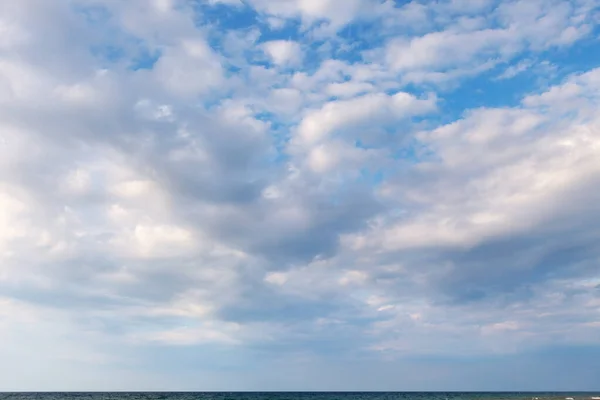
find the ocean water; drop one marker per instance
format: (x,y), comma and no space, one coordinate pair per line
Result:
(304,396)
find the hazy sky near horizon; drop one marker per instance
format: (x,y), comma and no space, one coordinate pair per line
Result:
(299,195)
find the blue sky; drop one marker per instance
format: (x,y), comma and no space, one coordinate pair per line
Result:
(299,195)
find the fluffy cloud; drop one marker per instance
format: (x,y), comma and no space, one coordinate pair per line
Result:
(283,52)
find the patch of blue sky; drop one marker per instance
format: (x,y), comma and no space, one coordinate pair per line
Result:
(108,54)
(290,30)
(490,90)
(145,58)
(280,135)
(413,152)
(130,53)
(224,16)
(582,56)
(227,18)
(356,40)
(93,14)
(276,124)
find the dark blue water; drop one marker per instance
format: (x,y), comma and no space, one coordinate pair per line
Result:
(304,396)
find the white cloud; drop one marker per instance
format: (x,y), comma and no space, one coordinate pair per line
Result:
(283,52)
(360,112)
(467,44)
(504,190)
(191,68)
(150,240)
(276,278)
(353,278)
(349,89)
(338,13)
(515,70)
(440,50)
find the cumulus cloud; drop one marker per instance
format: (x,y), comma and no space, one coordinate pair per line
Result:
(283,52)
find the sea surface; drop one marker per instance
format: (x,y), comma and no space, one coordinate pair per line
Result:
(304,396)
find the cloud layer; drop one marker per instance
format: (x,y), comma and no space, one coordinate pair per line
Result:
(288,186)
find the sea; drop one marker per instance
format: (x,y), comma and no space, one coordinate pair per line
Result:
(303,396)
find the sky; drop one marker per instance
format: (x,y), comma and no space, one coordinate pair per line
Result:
(299,195)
